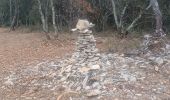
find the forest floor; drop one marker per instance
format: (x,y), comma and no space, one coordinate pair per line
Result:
(32,68)
(21,47)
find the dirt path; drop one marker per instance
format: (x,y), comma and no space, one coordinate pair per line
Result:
(18,48)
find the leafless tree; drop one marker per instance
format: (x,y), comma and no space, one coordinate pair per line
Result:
(54,19)
(15,16)
(119,21)
(158,16)
(10,5)
(44,20)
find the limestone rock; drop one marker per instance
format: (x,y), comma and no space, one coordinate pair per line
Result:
(84,69)
(94,67)
(159,61)
(93,93)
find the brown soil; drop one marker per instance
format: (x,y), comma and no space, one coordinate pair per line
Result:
(19,48)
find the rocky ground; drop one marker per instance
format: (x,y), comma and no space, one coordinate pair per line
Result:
(113,76)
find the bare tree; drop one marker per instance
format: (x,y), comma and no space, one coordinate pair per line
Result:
(10,5)
(14,20)
(54,19)
(119,21)
(44,21)
(115,14)
(158,16)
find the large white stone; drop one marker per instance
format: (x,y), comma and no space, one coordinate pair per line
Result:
(95,67)
(159,61)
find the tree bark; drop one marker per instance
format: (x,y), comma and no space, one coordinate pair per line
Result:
(44,22)
(158,17)
(10,5)
(121,16)
(15,17)
(54,20)
(115,14)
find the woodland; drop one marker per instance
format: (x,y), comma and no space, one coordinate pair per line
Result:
(120,15)
(84,50)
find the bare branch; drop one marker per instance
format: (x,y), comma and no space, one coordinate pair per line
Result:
(134,22)
(122,14)
(150,4)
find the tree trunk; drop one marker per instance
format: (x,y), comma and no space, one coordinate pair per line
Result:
(15,17)
(44,22)
(122,15)
(115,14)
(10,5)
(54,20)
(46,15)
(158,16)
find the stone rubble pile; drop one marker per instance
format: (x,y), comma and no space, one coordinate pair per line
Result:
(127,78)
(86,64)
(86,51)
(154,45)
